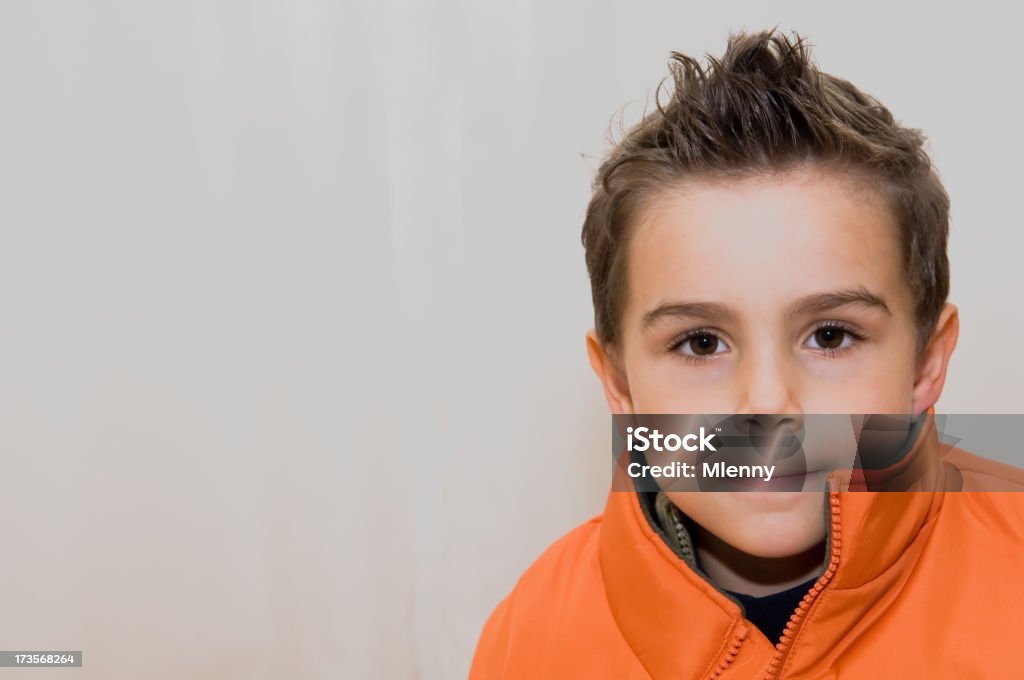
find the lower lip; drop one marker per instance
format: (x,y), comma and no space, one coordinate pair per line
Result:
(810,482)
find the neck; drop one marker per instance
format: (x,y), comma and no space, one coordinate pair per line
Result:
(740,572)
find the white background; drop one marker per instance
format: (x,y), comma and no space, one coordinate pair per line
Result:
(292,372)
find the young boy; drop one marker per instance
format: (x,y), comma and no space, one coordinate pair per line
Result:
(771,241)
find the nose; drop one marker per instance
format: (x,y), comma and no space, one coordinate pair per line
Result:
(768,411)
(768,386)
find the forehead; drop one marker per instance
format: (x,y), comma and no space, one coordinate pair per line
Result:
(764,240)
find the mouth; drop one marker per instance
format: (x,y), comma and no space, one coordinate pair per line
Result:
(789,475)
(810,480)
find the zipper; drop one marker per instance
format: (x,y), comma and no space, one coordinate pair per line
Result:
(788,635)
(740,630)
(739,635)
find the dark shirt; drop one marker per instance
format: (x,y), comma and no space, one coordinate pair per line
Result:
(771,613)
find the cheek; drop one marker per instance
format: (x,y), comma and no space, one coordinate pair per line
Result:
(881,384)
(671,385)
(664,395)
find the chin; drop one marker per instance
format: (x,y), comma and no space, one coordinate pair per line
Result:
(787,545)
(779,530)
(766,524)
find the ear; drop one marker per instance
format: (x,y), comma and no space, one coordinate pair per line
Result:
(931,371)
(606,367)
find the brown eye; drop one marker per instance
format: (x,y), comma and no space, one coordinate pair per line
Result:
(703,344)
(699,344)
(829,337)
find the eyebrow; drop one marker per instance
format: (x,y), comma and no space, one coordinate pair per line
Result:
(687,310)
(811,304)
(824,302)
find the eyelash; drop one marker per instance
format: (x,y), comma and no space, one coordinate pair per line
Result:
(678,341)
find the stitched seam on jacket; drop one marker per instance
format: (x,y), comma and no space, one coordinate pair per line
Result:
(615,617)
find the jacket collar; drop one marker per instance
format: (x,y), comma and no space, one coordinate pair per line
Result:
(679,625)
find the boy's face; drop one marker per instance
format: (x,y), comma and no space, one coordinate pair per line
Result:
(775,294)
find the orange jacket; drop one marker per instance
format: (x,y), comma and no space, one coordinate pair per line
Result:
(926,584)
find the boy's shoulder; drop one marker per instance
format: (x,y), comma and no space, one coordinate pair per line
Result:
(572,559)
(983,474)
(557,606)
(566,552)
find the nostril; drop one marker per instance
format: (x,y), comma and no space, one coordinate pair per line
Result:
(766,422)
(774,437)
